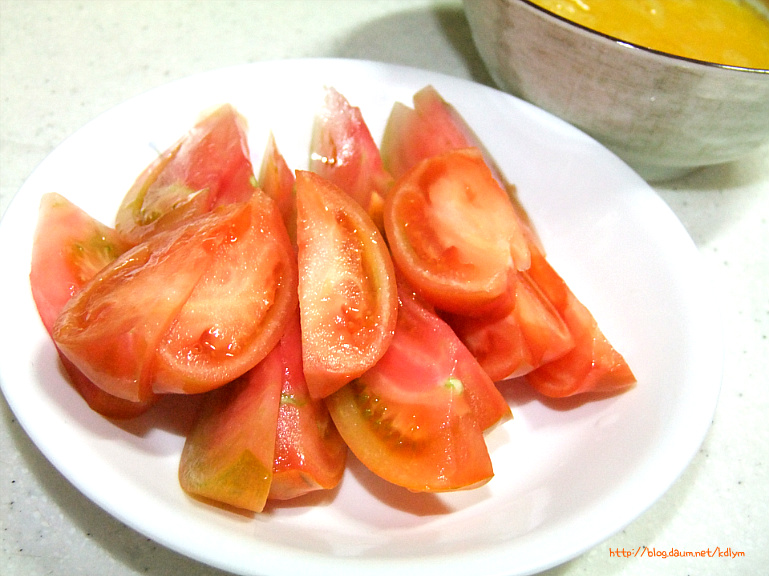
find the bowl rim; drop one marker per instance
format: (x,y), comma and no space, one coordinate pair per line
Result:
(641,47)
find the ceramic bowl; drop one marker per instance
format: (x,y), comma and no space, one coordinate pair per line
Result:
(664,115)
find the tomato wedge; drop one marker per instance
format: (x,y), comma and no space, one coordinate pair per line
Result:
(228,454)
(593,365)
(431,128)
(69,248)
(207,167)
(239,307)
(347,293)
(530,335)
(343,151)
(454,235)
(189,309)
(310,454)
(414,418)
(277,181)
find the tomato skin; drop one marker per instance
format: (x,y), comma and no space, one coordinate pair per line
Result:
(593,365)
(69,248)
(431,128)
(111,327)
(277,181)
(228,454)
(344,152)
(209,166)
(238,308)
(123,330)
(454,235)
(310,454)
(414,419)
(530,335)
(347,293)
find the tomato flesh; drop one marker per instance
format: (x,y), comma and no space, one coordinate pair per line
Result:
(277,181)
(347,293)
(207,167)
(228,454)
(343,152)
(414,418)
(238,308)
(530,335)
(310,454)
(431,128)
(593,365)
(117,328)
(69,248)
(454,235)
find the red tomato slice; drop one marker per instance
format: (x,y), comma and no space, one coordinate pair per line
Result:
(530,335)
(239,307)
(207,167)
(434,127)
(413,419)
(347,293)
(429,129)
(129,328)
(593,365)
(277,180)
(228,454)
(454,235)
(309,452)
(343,152)
(69,248)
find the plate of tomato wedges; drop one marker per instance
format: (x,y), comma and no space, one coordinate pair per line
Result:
(340,316)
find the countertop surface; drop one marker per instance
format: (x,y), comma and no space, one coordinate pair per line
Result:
(62,63)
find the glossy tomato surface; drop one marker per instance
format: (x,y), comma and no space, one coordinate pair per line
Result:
(593,365)
(229,452)
(128,329)
(454,235)
(344,152)
(239,306)
(530,335)
(347,292)
(417,417)
(70,247)
(276,180)
(209,166)
(310,454)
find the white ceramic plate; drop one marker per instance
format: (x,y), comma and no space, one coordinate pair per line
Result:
(567,476)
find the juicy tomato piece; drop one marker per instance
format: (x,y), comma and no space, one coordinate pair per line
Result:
(343,151)
(277,181)
(415,418)
(207,167)
(69,248)
(454,235)
(347,293)
(530,335)
(228,454)
(239,307)
(129,327)
(593,364)
(433,127)
(309,452)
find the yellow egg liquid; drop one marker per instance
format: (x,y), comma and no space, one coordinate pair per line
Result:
(731,32)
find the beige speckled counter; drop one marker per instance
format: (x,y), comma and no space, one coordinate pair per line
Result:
(63,62)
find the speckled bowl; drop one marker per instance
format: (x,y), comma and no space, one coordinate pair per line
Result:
(664,115)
